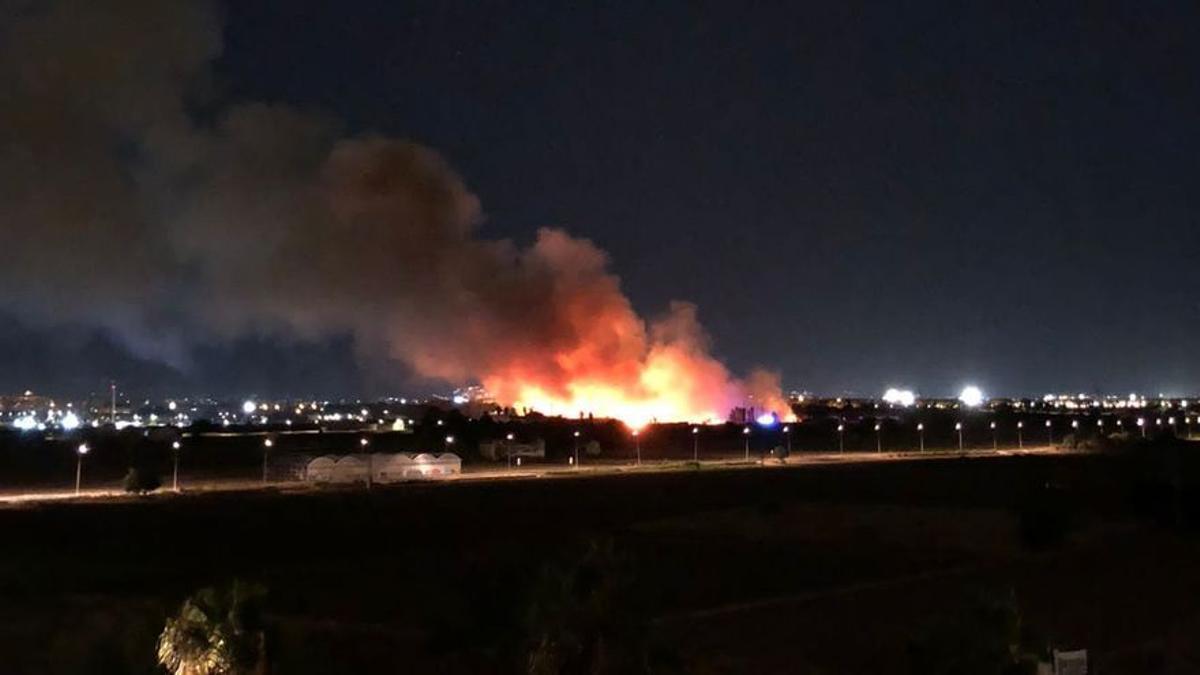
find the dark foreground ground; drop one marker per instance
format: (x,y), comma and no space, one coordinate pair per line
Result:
(820,569)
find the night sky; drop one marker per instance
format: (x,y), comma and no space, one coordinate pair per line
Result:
(858,195)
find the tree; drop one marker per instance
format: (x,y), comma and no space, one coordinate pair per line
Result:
(141,480)
(218,631)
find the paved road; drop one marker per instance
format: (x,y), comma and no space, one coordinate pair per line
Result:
(534,472)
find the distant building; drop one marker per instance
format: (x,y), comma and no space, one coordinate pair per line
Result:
(383,468)
(25,403)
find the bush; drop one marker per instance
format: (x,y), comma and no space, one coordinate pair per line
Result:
(984,637)
(141,481)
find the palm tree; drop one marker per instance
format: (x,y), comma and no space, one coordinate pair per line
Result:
(218,631)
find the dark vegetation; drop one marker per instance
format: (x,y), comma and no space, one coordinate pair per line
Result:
(141,480)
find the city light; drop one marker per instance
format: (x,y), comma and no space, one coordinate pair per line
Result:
(971,396)
(249,407)
(70,422)
(900,397)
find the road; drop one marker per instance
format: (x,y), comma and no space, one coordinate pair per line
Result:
(529,472)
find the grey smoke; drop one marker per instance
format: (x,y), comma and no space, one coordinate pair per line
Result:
(121,207)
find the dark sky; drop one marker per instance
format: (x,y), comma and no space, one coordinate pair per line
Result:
(859,195)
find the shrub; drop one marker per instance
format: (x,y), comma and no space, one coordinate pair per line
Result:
(141,480)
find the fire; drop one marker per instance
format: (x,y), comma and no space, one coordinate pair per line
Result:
(668,377)
(548,329)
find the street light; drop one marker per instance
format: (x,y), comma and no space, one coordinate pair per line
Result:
(1020,439)
(958,428)
(79,452)
(696,444)
(363,443)
(921,434)
(995,442)
(267,445)
(508,449)
(575,459)
(787,432)
(878,437)
(1141,422)
(841,437)
(746,435)
(175,446)
(1050,432)
(637,441)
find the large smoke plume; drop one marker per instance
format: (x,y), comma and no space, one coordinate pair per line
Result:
(132,201)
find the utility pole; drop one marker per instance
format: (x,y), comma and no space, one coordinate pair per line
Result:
(112,386)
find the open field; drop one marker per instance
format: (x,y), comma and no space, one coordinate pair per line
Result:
(820,567)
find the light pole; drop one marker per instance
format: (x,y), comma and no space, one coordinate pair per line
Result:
(746,435)
(363,443)
(508,449)
(575,460)
(696,444)
(1171,421)
(637,442)
(921,434)
(1188,422)
(1050,432)
(878,437)
(449,443)
(267,444)
(1020,439)
(1141,422)
(995,441)
(175,473)
(787,433)
(958,428)
(841,437)
(79,452)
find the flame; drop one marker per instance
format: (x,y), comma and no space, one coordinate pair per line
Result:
(669,377)
(548,329)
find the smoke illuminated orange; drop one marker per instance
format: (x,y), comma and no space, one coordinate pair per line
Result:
(610,364)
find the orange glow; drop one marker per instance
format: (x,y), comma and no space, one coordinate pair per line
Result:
(551,331)
(666,376)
